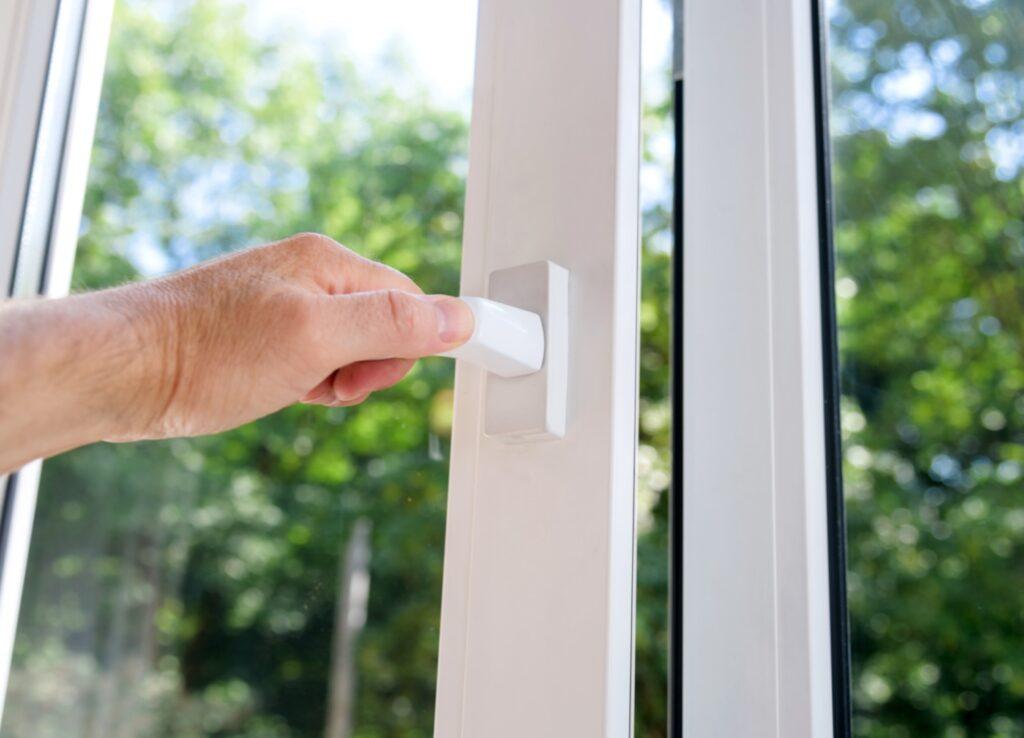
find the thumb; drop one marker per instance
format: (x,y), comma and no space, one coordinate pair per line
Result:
(392,324)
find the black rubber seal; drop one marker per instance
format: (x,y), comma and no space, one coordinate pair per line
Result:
(675,609)
(840,632)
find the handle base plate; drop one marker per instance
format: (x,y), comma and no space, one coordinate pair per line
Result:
(532,407)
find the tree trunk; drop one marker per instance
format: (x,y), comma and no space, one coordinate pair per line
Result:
(349,619)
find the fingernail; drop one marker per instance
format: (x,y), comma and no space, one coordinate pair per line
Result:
(454,319)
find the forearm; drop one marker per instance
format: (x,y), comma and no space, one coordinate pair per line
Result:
(68,367)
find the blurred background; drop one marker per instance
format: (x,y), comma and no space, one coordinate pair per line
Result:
(928,143)
(284,580)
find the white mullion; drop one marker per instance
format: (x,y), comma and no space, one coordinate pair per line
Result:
(756,615)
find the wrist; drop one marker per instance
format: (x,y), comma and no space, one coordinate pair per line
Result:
(80,370)
(140,351)
(49,384)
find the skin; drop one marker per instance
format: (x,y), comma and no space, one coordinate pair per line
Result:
(213,347)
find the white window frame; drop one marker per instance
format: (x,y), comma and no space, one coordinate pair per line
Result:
(757,626)
(26,33)
(538,595)
(56,54)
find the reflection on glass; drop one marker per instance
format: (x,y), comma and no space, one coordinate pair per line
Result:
(282,579)
(928,145)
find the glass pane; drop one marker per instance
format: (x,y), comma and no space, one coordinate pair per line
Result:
(283,579)
(654,449)
(928,146)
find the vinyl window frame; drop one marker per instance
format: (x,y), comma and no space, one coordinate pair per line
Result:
(50,83)
(538,598)
(763,610)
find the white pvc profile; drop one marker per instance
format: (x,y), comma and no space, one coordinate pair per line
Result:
(51,175)
(26,35)
(537,610)
(756,654)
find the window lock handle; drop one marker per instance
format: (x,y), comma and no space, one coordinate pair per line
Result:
(507,341)
(521,338)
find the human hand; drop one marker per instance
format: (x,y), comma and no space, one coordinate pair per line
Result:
(303,319)
(214,346)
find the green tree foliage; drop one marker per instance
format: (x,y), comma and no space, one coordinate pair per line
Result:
(653,457)
(187,588)
(927,153)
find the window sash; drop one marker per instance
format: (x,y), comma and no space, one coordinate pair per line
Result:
(538,595)
(756,613)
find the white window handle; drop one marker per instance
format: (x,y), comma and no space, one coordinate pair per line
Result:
(507,341)
(522,338)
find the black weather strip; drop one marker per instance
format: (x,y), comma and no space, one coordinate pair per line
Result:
(675,657)
(840,633)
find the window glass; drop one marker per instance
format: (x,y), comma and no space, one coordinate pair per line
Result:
(654,451)
(282,579)
(928,144)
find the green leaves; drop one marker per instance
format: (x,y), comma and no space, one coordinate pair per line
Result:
(931,327)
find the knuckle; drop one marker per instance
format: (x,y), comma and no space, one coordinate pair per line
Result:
(310,245)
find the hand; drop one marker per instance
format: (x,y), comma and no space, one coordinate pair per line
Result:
(225,342)
(247,334)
